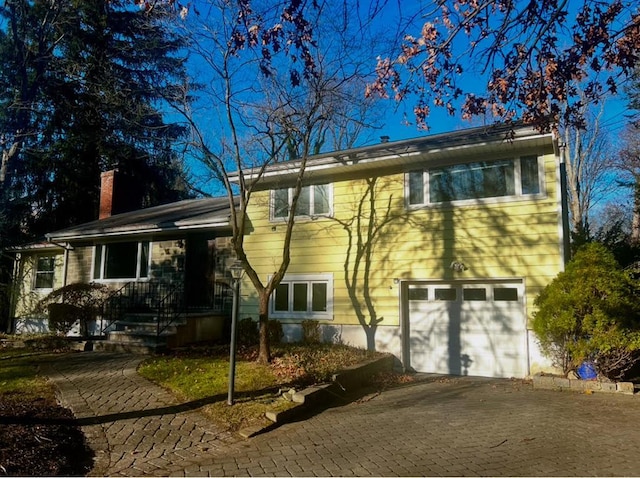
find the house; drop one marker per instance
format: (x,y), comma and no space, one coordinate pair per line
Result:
(166,262)
(432,248)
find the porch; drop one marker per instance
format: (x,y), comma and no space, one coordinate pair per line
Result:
(147,317)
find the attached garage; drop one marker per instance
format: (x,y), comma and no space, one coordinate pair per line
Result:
(466,328)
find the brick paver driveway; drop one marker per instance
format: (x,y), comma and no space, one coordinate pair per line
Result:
(459,426)
(440,426)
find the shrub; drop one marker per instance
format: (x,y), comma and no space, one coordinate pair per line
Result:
(247,332)
(62,317)
(275,332)
(47,342)
(72,303)
(310,332)
(590,312)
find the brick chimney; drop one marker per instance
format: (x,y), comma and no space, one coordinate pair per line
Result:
(118,193)
(107,180)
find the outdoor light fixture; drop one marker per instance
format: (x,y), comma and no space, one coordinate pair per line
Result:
(457,266)
(237,270)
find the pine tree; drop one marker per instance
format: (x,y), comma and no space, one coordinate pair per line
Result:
(93,97)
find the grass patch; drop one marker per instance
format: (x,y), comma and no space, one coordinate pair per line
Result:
(19,376)
(19,368)
(202,373)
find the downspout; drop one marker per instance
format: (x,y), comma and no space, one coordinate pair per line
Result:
(559,151)
(65,265)
(13,297)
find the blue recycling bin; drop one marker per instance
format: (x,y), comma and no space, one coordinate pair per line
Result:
(587,371)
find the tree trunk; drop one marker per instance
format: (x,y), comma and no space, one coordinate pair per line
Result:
(635,222)
(264,354)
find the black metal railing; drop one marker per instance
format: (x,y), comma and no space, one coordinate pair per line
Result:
(163,300)
(170,308)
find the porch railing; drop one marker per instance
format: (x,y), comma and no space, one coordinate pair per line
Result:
(166,301)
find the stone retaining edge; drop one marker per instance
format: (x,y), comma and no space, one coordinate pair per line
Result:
(348,380)
(550,382)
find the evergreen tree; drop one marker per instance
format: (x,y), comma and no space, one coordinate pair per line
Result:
(84,84)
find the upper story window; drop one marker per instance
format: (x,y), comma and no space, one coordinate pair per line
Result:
(122,260)
(303,297)
(478,180)
(44,273)
(314,200)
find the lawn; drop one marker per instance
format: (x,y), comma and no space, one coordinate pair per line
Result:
(29,444)
(201,373)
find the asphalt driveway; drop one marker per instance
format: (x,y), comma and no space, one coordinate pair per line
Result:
(441,426)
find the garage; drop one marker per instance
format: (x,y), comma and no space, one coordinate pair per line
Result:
(467,328)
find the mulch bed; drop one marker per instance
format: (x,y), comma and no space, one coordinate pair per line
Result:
(40,438)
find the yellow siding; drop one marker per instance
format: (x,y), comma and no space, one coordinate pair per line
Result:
(26,296)
(509,239)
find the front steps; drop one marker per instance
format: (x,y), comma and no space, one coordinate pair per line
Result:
(138,334)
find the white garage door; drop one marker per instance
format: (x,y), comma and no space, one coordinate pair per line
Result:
(468,329)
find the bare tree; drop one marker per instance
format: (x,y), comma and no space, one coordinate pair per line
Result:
(269,112)
(629,164)
(588,165)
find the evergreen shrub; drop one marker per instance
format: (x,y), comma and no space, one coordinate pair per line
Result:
(590,311)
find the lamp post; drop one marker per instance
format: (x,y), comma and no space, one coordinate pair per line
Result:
(236,274)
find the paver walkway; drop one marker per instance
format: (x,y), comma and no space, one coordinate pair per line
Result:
(439,427)
(135,427)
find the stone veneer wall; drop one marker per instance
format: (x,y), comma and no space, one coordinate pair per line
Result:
(167,261)
(79,264)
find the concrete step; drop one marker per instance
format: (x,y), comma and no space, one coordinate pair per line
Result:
(140,317)
(131,348)
(150,327)
(139,336)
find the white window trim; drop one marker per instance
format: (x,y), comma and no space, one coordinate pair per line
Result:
(309,279)
(312,216)
(490,285)
(101,279)
(35,274)
(518,196)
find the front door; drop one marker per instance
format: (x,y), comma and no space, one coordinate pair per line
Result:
(199,271)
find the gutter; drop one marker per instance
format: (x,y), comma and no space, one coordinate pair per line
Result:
(65,261)
(132,232)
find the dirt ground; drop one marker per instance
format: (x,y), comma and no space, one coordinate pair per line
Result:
(40,438)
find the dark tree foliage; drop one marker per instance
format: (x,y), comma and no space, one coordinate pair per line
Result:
(81,89)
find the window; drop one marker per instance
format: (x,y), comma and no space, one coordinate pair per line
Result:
(505,294)
(447,295)
(474,294)
(45,269)
(303,297)
(484,179)
(121,260)
(418,293)
(314,200)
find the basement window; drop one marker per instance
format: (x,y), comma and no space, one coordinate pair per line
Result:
(303,297)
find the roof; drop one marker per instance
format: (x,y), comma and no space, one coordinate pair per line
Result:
(397,156)
(190,214)
(39,246)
